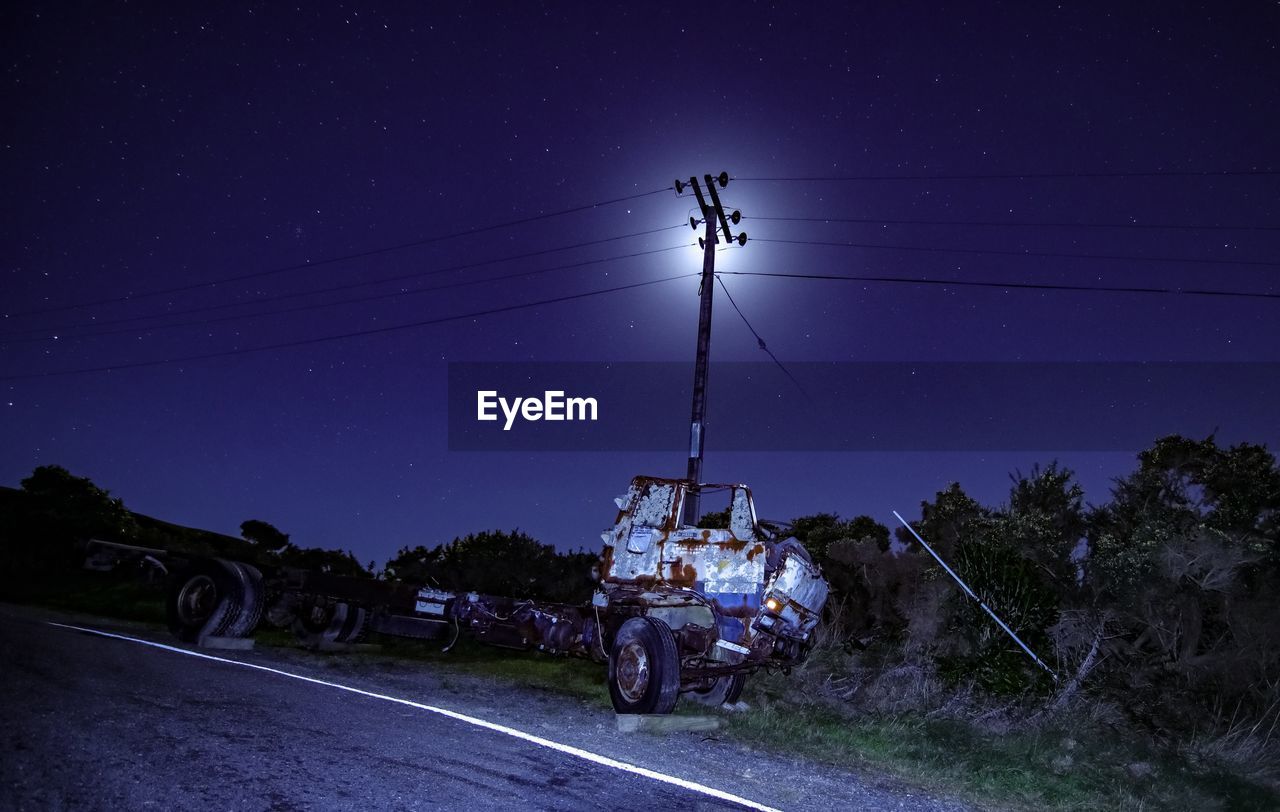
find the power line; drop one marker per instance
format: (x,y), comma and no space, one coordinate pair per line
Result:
(42,332)
(1011,285)
(348,301)
(342,336)
(760,340)
(1035,176)
(1020,224)
(343,258)
(1039,254)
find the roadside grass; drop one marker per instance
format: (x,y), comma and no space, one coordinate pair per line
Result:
(1083,767)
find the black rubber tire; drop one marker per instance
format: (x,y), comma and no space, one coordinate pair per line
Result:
(644,667)
(203,599)
(739,681)
(344,623)
(357,622)
(725,690)
(251,598)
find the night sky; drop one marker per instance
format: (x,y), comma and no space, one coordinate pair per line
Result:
(150,150)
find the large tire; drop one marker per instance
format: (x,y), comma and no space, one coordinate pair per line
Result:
(338,622)
(725,690)
(204,599)
(356,625)
(739,681)
(644,667)
(251,598)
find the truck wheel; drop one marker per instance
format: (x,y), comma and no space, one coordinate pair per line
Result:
(644,667)
(736,684)
(725,690)
(203,599)
(355,626)
(333,623)
(251,598)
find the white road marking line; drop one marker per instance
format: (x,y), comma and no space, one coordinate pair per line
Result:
(586,755)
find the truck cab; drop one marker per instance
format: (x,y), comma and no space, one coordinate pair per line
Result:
(733,599)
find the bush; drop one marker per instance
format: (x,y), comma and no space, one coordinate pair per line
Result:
(511,564)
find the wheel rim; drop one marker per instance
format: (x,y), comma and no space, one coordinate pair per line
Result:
(318,617)
(197,599)
(633,671)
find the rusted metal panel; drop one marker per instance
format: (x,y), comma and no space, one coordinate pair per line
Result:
(650,561)
(646,544)
(800,593)
(657,505)
(742,514)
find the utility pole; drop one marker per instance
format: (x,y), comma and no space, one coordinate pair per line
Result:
(712,215)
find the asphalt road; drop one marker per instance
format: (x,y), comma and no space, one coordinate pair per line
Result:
(98,723)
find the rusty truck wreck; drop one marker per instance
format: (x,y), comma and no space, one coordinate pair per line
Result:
(679,610)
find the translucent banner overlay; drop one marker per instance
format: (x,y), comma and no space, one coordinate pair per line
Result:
(881,406)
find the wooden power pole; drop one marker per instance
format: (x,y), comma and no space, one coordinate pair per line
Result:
(712,215)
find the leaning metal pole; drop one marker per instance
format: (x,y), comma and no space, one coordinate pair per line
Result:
(970,593)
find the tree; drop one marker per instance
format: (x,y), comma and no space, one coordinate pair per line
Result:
(1009,558)
(816,531)
(715,520)
(1047,523)
(53,514)
(264,535)
(1184,558)
(330,562)
(952,517)
(865,528)
(74,507)
(1183,489)
(849,552)
(414,566)
(511,564)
